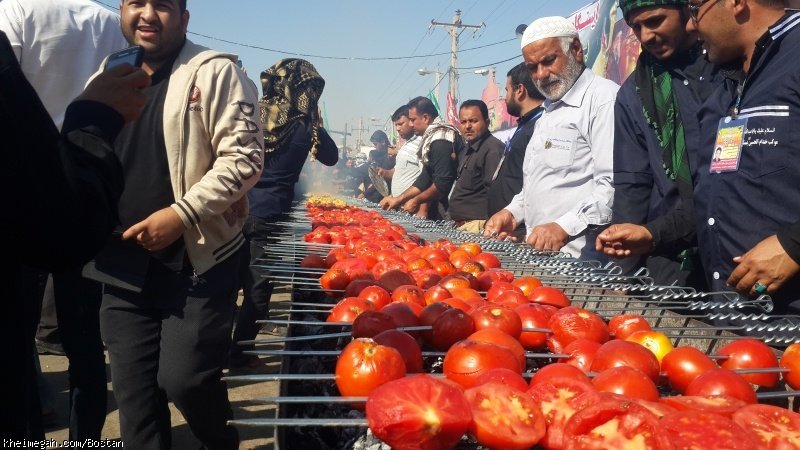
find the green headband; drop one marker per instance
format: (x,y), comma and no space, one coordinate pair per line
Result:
(628,6)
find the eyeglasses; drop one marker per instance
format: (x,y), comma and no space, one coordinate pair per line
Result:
(694,8)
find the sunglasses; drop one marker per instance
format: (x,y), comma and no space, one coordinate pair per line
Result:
(694,9)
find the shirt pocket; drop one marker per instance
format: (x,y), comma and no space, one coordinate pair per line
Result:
(559,148)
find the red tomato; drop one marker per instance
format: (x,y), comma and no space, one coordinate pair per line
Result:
(355,268)
(614,423)
(527,283)
(722,382)
(450,327)
(657,408)
(417,264)
(378,296)
(558,370)
(364,365)
(370,323)
(355,287)
(658,343)
(772,427)
(750,354)
(348,309)
(683,364)
(487,260)
(472,267)
(389,265)
(508,377)
(533,316)
(467,360)
(406,345)
(429,315)
(695,429)
(616,353)
(458,304)
(487,278)
(559,399)
(498,288)
(511,299)
(334,282)
(500,317)
(425,278)
(418,412)
(392,279)
(581,354)
(504,418)
(719,404)
(623,326)
(313,262)
(443,267)
(626,381)
(466,294)
(497,337)
(335,255)
(436,294)
(791,360)
(434,254)
(570,323)
(459,258)
(549,296)
(472,248)
(455,281)
(409,294)
(403,316)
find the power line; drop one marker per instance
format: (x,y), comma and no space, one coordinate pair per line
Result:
(491,64)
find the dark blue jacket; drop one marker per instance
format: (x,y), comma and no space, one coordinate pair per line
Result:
(736,210)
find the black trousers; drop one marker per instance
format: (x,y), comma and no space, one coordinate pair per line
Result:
(169,342)
(78,310)
(256,287)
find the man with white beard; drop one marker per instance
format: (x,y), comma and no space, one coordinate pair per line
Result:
(567,186)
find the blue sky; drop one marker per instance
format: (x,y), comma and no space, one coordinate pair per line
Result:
(369,29)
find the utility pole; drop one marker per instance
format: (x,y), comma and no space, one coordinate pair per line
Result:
(360,130)
(455,30)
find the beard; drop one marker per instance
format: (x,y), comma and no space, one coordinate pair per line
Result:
(554,87)
(513,108)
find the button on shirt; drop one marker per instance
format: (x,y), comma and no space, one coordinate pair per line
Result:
(407,166)
(738,209)
(568,166)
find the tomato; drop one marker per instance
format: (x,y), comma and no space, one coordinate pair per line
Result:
(335,255)
(472,267)
(355,287)
(429,315)
(425,278)
(616,353)
(467,360)
(408,294)
(559,399)
(549,296)
(455,281)
(508,377)
(406,345)
(473,281)
(772,427)
(615,424)
(364,365)
(348,309)
(658,408)
(334,282)
(465,293)
(497,337)
(570,323)
(403,316)
(418,412)
(459,258)
(750,354)
(435,254)
(556,370)
(417,264)
(377,295)
(436,294)
(504,418)
(719,404)
(581,354)
(722,382)
(500,317)
(472,248)
(392,279)
(527,283)
(313,262)
(658,343)
(355,268)
(623,326)
(511,299)
(683,364)
(790,360)
(458,304)
(443,268)
(487,278)
(695,429)
(450,327)
(370,323)
(626,381)
(416,308)
(487,260)
(532,316)
(498,288)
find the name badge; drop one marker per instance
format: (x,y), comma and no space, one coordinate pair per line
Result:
(558,144)
(728,146)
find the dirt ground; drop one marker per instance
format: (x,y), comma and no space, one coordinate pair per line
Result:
(241,397)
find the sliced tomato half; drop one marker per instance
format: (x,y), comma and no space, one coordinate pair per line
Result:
(559,398)
(772,426)
(504,418)
(718,404)
(697,429)
(615,423)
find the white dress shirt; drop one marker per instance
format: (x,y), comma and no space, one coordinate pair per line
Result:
(60,44)
(568,166)
(407,167)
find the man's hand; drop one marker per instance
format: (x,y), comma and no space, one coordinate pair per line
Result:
(549,236)
(767,263)
(387,174)
(119,88)
(411,205)
(390,203)
(157,231)
(624,240)
(500,225)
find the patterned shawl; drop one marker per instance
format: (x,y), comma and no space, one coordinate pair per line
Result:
(437,130)
(291,89)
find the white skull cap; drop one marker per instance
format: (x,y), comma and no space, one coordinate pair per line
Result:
(548,27)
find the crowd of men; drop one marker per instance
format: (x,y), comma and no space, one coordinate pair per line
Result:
(686,168)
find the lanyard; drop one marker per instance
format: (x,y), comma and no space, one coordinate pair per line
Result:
(508,143)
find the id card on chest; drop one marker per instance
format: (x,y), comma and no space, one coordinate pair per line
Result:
(727,150)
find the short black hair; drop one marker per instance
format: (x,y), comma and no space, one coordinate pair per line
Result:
(476,103)
(520,75)
(401,111)
(424,105)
